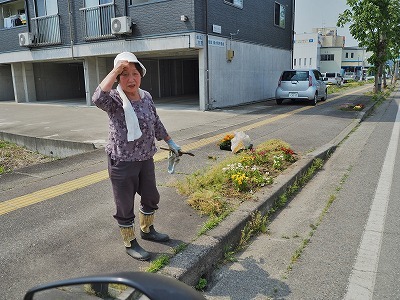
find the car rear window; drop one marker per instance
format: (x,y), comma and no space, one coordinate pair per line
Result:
(295,76)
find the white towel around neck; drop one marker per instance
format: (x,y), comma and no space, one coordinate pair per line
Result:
(132,123)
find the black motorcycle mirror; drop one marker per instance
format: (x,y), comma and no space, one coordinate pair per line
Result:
(121,286)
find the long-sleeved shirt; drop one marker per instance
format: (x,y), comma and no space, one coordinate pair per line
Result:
(150,124)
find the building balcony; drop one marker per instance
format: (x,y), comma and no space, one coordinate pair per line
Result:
(47,30)
(97,21)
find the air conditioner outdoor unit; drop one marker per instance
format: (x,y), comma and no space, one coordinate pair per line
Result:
(121,25)
(25,39)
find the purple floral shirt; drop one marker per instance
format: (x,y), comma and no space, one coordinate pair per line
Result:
(150,124)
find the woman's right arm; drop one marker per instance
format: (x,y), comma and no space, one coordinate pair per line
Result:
(101,97)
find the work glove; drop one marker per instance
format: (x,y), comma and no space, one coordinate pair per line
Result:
(174,147)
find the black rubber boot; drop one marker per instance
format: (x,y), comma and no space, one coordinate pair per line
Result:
(137,252)
(154,236)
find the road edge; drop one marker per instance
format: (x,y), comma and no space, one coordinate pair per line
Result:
(202,255)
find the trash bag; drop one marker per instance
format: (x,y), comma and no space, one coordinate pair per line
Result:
(240,141)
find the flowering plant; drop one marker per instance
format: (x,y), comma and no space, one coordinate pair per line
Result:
(240,181)
(245,178)
(278,161)
(348,106)
(236,178)
(358,107)
(288,154)
(226,143)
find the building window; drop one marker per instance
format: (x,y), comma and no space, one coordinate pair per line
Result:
(294,62)
(310,61)
(91,3)
(347,54)
(327,57)
(280,15)
(305,61)
(12,14)
(352,55)
(237,3)
(46,8)
(299,61)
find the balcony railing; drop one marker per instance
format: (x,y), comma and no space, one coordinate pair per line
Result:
(47,30)
(97,21)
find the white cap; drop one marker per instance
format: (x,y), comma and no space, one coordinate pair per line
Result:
(130,57)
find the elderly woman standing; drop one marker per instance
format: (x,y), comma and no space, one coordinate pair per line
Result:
(133,127)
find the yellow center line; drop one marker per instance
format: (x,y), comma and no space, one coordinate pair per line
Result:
(75,184)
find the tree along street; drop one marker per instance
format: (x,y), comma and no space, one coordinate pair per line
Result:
(348,252)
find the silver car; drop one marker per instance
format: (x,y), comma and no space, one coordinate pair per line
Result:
(301,84)
(350,77)
(334,78)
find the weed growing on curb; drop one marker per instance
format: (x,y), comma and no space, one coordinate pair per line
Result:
(201,285)
(158,263)
(213,222)
(163,260)
(179,248)
(257,224)
(229,255)
(297,185)
(380,97)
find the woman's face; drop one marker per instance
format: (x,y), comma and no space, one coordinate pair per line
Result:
(130,80)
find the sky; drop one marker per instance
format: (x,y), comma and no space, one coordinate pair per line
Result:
(321,13)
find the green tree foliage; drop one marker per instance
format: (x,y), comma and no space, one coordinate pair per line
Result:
(375,24)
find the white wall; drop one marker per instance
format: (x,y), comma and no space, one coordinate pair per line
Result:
(334,65)
(306,46)
(252,75)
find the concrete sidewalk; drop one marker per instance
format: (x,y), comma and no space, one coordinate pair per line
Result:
(84,128)
(65,129)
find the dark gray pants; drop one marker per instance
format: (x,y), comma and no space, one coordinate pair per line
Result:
(129,178)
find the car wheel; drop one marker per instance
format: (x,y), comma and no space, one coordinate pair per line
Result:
(279,101)
(314,100)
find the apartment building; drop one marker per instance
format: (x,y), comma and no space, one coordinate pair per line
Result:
(222,52)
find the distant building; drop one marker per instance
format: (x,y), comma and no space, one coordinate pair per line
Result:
(354,59)
(306,51)
(324,50)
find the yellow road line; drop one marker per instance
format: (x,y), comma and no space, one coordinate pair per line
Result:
(63,188)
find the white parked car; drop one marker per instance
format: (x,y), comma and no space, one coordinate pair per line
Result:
(334,78)
(350,76)
(301,84)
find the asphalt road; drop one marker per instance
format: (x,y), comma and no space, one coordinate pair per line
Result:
(349,252)
(72,233)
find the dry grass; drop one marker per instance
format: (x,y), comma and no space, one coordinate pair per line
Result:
(13,157)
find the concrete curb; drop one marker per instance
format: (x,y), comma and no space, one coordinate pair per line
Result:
(49,147)
(202,255)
